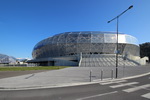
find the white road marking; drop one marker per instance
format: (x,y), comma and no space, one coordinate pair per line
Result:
(117,81)
(97,95)
(146,95)
(125,84)
(137,88)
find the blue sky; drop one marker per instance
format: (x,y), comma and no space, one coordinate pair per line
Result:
(23,23)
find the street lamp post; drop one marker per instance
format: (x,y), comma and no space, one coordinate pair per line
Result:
(117,18)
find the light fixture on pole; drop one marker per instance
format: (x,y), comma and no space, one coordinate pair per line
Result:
(117,18)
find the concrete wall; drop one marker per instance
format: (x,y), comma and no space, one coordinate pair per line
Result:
(137,59)
(66,61)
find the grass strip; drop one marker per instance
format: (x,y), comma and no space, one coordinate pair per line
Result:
(31,68)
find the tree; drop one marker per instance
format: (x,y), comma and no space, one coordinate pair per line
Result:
(145,49)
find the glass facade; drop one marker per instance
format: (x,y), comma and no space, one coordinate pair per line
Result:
(87,42)
(4,59)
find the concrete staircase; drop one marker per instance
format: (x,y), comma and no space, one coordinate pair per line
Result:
(102,60)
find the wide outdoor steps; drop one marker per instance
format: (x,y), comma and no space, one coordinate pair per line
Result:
(104,60)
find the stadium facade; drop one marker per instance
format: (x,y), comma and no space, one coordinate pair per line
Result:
(86,48)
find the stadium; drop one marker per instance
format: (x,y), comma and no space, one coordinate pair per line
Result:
(87,49)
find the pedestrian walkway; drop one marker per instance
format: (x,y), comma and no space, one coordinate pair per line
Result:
(68,76)
(146,95)
(129,86)
(137,88)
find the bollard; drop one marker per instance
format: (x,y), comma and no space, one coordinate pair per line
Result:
(112,72)
(123,70)
(101,74)
(90,75)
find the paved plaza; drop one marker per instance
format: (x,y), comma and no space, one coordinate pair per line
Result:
(68,76)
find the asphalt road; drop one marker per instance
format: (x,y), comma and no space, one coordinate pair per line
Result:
(122,89)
